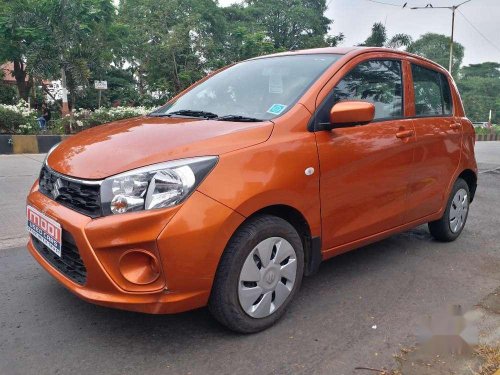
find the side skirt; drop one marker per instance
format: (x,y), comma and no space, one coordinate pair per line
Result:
(329,253)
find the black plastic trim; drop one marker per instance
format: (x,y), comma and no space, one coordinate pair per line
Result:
(70,264)
(315,257)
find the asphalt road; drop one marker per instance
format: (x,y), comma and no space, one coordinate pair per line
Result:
(357,311)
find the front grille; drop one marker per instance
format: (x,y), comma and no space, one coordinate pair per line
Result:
(81,197)
(69,264)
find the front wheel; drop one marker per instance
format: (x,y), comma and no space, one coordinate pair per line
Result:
(259,274)
(449,227)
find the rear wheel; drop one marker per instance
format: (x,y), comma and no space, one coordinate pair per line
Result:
(259,274)
(449,227)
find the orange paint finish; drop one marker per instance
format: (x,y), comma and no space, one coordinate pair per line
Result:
(112,236)
(272,173)
(99,152)
(352,112)
(350,186)
(139,267)
(364,180)
(192,244)
(187,263)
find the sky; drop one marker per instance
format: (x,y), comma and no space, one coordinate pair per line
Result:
(355,18)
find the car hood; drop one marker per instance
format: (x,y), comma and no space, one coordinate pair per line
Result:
(128,144)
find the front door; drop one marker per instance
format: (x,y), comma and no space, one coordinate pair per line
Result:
(365,169)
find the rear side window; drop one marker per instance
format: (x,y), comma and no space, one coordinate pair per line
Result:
(432,92)
(376,81)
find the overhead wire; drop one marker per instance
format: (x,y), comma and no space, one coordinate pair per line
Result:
(479,31)
(384,3)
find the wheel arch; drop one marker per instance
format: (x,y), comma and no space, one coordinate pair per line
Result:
(311,245)
(470,177)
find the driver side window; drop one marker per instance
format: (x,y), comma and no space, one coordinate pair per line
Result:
(376,81)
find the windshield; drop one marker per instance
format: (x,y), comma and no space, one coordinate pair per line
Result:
(258,90)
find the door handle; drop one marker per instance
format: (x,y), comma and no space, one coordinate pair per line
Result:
(455,126)
(404,134)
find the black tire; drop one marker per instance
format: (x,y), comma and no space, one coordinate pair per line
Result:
(440,229)
(224,303)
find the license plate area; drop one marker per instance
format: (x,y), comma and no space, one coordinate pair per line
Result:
(45,229)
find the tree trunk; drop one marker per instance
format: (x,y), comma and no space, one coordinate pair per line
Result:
(177,82)
(64,95)
(32,91)
(140,79)
(23,87)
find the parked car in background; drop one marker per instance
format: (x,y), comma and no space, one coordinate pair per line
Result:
(241,185)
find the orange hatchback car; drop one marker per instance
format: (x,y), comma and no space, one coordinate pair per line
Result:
(241,185)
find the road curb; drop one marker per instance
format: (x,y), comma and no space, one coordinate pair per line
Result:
(28,144)
(37,144)
(487,137)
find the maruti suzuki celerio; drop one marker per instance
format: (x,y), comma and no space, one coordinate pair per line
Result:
(242,184)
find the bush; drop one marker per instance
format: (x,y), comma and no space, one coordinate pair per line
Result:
(495,129)
(84,118)
(8,94)
(18,119)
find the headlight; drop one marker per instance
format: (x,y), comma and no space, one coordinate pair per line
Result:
(156,186)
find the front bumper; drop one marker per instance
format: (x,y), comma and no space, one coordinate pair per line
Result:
(188,241)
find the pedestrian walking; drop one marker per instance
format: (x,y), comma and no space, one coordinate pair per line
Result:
(45,118)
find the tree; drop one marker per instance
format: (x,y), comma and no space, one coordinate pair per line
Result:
(21,31)
(55,39)
(8,94)
(484,70)
(170,44)
(436,47)
(379,38)
(166,45)
(243,37)
(261,27)
(76,42)
(292,24)
(479,85)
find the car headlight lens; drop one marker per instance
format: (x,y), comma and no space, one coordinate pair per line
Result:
(156,186)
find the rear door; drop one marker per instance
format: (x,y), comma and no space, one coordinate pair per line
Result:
(438,142)
(365,169)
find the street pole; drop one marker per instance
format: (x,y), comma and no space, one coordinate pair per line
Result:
(452,35)
(64,94)
(453,9)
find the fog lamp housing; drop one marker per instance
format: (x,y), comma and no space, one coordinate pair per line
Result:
(139,267)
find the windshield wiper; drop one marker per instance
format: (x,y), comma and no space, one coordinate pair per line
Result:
(187,113)
(207,115)
(238,118)
(193,113)
(154,114)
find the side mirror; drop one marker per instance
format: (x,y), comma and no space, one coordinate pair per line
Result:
(351,112)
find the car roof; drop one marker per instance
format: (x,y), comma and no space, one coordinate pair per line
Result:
(354,51)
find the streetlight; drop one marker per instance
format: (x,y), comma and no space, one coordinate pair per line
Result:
(453,9)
